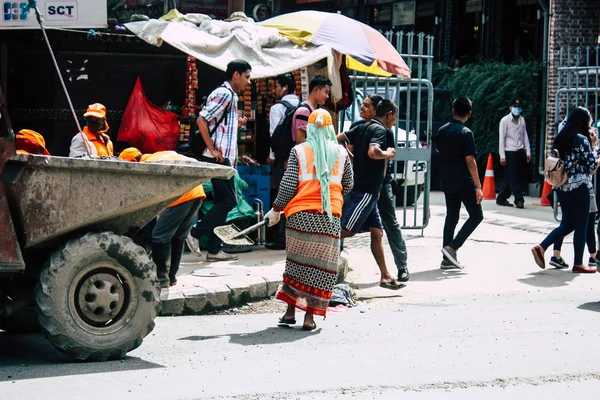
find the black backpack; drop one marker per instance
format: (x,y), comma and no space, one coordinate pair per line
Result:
(282,141)
(196,142)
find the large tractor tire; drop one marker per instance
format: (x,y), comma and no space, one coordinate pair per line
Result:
(98,296)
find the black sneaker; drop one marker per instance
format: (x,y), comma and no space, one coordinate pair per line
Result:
(592,262)
(403,275)
(559,262)
(504,203)
(450,254)
(447,265)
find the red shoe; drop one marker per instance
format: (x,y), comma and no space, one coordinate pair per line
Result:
(582,269)
(538,255)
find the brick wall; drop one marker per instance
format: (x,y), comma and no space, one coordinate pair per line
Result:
(572,23)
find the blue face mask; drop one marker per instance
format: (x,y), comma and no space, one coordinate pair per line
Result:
(516,111)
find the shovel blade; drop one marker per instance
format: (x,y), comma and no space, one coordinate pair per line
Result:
(227,233)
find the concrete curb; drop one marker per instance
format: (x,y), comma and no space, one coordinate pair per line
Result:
(226,285)
(215,286)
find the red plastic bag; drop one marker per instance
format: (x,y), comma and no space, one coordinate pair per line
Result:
(146,126)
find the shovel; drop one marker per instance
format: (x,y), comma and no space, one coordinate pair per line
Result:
(231,235)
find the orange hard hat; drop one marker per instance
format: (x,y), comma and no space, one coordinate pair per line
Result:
(130,154)
(31,142)
(95,110)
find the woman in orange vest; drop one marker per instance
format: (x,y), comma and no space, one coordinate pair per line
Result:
(93,141)
(174,223)
(30,142)
(311,196)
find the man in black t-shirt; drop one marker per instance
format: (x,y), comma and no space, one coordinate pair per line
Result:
(370,162)
(460,180)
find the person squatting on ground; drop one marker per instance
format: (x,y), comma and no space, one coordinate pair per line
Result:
(220,117)
(285,87)
(556,260)
(370,166)
(93,141)
(515,154)
(385,203)
(460,181)
(311,195)
(174,223)
(581,161)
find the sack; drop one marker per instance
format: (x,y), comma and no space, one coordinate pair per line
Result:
(282,141)
(146,126)
(347,91)
(196,142)
(554,169)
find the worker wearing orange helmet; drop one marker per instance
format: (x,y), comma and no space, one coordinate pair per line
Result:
(93,141)
(174,223)
(30,142)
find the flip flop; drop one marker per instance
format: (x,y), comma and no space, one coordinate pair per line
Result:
(309,327)
(287,321)
(393,285)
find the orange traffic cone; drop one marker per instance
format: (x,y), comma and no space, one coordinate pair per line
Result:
(489,185)
(544,199)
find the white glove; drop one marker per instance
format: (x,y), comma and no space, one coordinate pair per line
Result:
(273,217)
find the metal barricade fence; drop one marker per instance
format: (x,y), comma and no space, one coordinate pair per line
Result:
(413,130)
(578,85)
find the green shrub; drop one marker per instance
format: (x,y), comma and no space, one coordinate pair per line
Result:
(492,85)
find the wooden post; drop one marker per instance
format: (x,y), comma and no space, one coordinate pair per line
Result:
(236,5)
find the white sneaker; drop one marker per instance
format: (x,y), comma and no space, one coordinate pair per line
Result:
(221,256)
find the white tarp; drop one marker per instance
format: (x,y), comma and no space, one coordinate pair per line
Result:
(56,14)
(219,42)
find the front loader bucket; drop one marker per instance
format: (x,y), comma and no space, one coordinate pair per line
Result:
(59,198)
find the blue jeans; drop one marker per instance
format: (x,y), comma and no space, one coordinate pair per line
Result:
(387,212)
(575,208)
(453,204)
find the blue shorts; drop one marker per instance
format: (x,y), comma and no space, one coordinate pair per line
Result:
(361,212)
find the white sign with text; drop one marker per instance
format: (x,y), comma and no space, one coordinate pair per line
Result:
(56,14)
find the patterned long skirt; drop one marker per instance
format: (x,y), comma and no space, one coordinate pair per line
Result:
(313,249)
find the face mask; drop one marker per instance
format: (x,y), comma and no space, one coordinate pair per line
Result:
(94,124)
(516,111)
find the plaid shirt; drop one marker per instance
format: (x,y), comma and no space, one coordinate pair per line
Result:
(225,137)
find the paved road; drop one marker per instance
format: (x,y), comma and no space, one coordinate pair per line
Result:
(499,329)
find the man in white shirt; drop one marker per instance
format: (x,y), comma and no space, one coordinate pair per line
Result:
(285,87)
(515,153)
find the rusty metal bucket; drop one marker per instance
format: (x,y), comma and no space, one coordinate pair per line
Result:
(58,197)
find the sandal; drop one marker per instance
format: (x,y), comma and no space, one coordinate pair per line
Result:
(393,285)
(309,327)
(287,321)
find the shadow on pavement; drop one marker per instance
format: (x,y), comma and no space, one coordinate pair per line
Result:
(271,335)
(549,278)
(591,306)
(31,356)
(436,275)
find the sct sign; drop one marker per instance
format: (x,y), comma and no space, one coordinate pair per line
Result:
(55,14)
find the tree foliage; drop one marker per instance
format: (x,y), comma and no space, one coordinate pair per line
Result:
(492,85)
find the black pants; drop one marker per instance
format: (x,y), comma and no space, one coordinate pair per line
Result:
(225,199)
(387,212)
(453,204)
(590,235)
(514,171)
(575,207)
(276,176)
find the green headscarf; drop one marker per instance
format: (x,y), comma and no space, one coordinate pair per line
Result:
(325,146)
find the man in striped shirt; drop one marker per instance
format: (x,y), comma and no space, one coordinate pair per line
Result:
(218,124)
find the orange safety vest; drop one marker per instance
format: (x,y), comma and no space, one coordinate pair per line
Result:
(101,147)
(308,194)
(195,193)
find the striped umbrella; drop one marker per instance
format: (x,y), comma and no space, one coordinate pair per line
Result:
(366,49)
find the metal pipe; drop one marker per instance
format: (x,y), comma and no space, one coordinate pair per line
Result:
(541,158)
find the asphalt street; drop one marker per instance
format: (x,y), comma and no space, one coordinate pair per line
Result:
(499,329)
